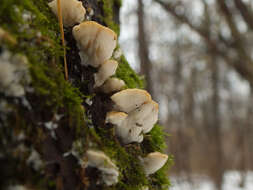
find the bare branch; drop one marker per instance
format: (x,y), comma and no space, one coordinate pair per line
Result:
(245,12)
(243,65)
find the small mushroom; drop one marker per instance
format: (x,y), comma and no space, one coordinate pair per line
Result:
(115,118)
(153,162)
(112,85)
(107,69)
(72,11)
(96,42)
(130,127)
(130,99)
(103,163)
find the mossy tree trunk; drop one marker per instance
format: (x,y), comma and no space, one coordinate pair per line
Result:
(46,132)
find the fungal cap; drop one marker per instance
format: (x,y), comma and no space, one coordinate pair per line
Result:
(107,69)
(112,85)
(139,121)
(118,119)
(99,159)
(115,118)
(95,41)
(73,11)
(130,99)
(153,162)
(103,163)
(151,115)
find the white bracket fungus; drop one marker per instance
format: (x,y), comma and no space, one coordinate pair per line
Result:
(103,163)
(130,99)
(130,127)
(107,69)
(95,41)
(153,162)
(73,11)
(112,85)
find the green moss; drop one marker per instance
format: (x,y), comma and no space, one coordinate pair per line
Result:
(131,172)
(126,73)
(154,140)
(108,17)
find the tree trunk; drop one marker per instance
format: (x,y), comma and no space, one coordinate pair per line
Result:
(215,130)
(145,63)
(47,124)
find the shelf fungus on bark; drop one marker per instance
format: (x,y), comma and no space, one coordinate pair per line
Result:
(130,127)
(113,85)
(72,11)
(130,99)
(153,162)
(96,43)
(106,70)
(103,163)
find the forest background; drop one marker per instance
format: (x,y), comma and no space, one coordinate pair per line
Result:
(197,59)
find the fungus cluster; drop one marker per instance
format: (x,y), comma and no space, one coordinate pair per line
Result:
(96,44)
(134,112)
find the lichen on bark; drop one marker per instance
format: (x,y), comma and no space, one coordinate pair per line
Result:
(51,101)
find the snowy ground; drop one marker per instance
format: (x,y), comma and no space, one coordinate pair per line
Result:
(231,179)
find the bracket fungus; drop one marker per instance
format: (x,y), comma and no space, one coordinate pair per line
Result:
(153,162)
(113,85)
(96,42)
(72,11)
(130,99)
(103,163)
(107,69)
(130,127)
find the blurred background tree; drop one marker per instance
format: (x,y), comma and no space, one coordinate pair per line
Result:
(198,63)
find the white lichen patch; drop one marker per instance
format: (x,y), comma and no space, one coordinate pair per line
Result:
(51,125)
(72,11)
(96,43)
(14,74)
(113,85)
(153,162)
(103,163)
(34,160)
(106,70)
